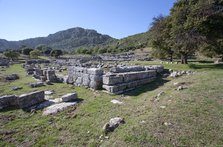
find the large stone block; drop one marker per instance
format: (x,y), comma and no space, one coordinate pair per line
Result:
(112,79)
(95,85)
(95,71)
(30,99)
(86,80)
(69,97)
(127,69)
(158,68)
(7,101)
(97,78)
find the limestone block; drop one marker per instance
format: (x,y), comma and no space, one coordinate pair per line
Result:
(27,100)
(97,78)
(95,71)
(7,101)
(69,97)
(95,85)
(53,109)
(112,79)
(86,79)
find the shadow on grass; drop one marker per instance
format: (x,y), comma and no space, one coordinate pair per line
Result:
(206,66)
(148,87)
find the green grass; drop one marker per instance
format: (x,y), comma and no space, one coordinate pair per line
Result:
(195,113)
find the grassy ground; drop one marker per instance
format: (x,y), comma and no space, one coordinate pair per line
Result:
(192,117)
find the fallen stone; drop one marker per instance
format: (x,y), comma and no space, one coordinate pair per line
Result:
(53,109)
(116,102)
(180,88)
(161,93)
(162,107)
(49,92)
(12,77)
(167,124)
(178,83)
(16,88)
(113,124)
(30,99)
(7,101)
(69,97)
(38,84)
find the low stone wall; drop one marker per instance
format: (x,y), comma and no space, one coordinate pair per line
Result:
(117,83)
(22,101)
(88,77)
(44,75)
(122,69)
(37,61)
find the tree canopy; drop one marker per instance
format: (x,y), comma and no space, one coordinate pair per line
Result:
(193,26)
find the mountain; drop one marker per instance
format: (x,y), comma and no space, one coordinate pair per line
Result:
(67,40)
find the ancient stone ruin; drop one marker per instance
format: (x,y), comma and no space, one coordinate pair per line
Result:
(88,77)
(123,79)
(118,80)
(23,101)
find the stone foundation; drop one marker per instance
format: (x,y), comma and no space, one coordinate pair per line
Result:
(87,77)
(117,83)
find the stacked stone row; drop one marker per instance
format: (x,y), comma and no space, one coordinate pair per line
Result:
(87,77)
(117,83)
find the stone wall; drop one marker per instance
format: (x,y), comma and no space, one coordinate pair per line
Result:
(118,80)
(22,101)
(117,83)
(87,77)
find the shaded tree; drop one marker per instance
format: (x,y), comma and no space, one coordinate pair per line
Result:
(26,50)
(160,37)
(56,53)
(35,53)
(11,54)
(46,50)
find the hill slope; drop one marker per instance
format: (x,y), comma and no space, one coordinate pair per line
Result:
(67,39)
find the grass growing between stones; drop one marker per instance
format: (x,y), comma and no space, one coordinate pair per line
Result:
(191,117)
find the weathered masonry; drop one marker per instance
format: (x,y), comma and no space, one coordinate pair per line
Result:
(23,101)
(118,80)
(88,77)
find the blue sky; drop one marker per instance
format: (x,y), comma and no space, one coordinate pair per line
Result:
(22,19)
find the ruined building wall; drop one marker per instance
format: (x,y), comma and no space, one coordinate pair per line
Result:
(120,82)
(87,77)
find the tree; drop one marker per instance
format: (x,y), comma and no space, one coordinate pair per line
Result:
(26,50)
(46,50)
(160,37)
(195,22)
(11,54)
(35,53)
(56,53)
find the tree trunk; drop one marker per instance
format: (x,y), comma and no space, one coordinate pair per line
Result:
(184,59)
(171,57)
